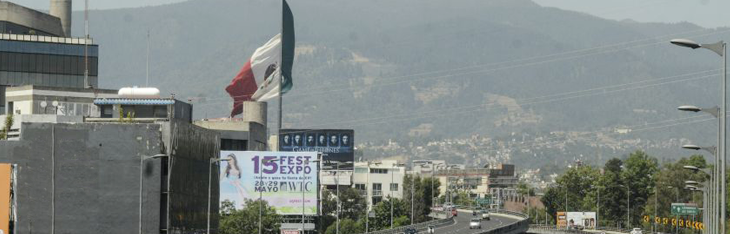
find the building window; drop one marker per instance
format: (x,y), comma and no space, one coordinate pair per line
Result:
(360,186)
(393,187)
(377,187)
(361,170)
(378,171)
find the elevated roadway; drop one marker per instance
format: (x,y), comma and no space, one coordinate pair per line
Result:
(461,223)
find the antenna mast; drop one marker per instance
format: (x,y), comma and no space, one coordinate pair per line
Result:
(147,80)
(86,44)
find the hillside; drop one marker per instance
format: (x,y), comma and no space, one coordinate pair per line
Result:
(416,70)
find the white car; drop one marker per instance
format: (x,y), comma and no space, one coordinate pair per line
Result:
(475,223)
(636,231)
(485,215)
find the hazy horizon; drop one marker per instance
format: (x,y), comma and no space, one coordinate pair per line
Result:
(705,13)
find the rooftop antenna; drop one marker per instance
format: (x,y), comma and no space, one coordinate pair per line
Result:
(147,80)
(86,44)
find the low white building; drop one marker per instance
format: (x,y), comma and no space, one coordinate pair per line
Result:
(378,180)
(427,168)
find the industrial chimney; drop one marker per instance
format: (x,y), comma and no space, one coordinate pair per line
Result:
(62,10)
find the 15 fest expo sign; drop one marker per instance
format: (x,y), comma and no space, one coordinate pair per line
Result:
(279,178)
(674,222)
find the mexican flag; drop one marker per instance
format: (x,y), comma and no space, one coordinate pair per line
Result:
(268,72)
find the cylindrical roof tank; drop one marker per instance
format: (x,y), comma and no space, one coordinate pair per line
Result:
(137,92)
(62,10)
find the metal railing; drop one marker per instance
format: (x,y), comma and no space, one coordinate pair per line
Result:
(541,228)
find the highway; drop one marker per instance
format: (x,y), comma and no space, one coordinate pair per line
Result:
(461,224)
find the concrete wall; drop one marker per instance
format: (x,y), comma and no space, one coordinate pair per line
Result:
(191,149)
(20,15)
(95,169)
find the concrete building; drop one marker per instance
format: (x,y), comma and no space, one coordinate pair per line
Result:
(76,176)
(41,100)
(36,50)
(379,180)
(143,109)
(496,183)
(247,133)
(427,168)
(16,19)
(474,181)
(503,182)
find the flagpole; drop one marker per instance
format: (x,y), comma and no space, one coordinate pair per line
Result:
(281,73)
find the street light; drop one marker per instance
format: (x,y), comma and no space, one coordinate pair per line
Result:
(210,172)
(711,195)
(337,186)
(709,218)
(720,48)
(391,192)
(141,182)
(306,163)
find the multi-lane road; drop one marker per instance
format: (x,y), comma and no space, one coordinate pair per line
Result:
(461,224)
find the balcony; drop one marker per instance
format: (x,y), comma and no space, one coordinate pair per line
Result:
(377,193)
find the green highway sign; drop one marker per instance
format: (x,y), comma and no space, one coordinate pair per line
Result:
(684,209)
(484,201)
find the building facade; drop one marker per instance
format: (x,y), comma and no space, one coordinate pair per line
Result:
(379,180)
(35,50)
(247,133)
(44,100)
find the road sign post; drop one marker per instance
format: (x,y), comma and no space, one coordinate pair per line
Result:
(684,209)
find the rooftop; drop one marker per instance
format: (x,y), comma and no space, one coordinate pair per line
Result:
(49,39)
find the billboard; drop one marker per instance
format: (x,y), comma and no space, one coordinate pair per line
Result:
(583,219)
(337,144)
(280,178)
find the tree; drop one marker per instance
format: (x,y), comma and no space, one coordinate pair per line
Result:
(422,196)
(245,220)
(6,129)
(347,226)
(638,173)
(674,175)
(382,213)
(613,197)
(353,206)
(575,187)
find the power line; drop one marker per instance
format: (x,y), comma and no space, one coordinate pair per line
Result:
(596,50)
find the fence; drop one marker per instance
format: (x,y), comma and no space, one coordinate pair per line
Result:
(552,229)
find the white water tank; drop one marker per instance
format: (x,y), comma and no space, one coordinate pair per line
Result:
(137,92)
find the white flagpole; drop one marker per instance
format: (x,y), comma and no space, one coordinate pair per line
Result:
(281,73)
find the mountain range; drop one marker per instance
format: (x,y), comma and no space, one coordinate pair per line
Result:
(424,69)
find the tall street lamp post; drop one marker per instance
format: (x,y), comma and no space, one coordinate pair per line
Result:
(710,206)
(210,172)
(306,163)
(141,183)
(711,213)
(721,49)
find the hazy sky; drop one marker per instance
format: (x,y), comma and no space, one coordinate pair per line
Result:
(95,4)
(706,13)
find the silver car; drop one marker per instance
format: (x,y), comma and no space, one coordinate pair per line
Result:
(475,223)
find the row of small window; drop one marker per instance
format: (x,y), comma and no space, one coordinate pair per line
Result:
(42,63)
(25,78)
(375,170)
(66,108)
(377,187)
(30,47)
